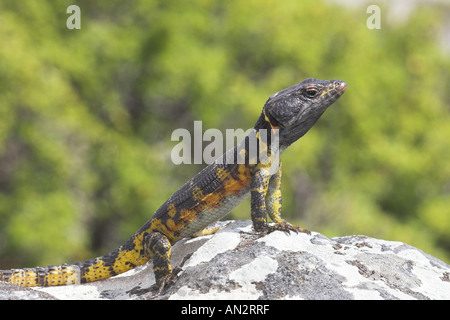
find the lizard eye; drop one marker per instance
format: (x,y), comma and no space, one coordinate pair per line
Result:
(311,92)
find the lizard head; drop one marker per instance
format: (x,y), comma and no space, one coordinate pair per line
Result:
(295,110)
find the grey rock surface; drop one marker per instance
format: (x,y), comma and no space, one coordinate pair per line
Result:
(237,263)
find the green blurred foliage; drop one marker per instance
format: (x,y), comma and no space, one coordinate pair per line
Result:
(86,117)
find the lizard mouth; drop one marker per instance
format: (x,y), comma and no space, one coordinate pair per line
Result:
(340,86)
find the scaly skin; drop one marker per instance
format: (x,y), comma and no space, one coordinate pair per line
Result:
(209,195)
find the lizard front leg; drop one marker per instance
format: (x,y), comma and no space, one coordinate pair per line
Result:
(274,203)
(267,200)
(258,189)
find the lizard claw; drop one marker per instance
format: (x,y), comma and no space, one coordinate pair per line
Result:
(282,226)
(165,281)
(158,287)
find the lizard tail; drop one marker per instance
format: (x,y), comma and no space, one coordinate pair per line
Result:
(124,258)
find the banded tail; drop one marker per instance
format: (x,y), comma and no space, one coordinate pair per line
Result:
(125,258)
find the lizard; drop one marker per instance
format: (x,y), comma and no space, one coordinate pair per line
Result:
(210,195)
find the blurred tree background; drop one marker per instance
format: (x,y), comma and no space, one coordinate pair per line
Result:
(86,116)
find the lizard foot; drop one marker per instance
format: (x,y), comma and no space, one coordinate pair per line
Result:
(163,282)
(158,287)
(209,230)
(281,226)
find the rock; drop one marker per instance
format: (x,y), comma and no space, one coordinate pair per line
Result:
(14,292)
(236,263)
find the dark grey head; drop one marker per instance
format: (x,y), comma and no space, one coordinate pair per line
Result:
(295,110)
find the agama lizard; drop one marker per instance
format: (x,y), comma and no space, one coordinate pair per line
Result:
(208,196)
